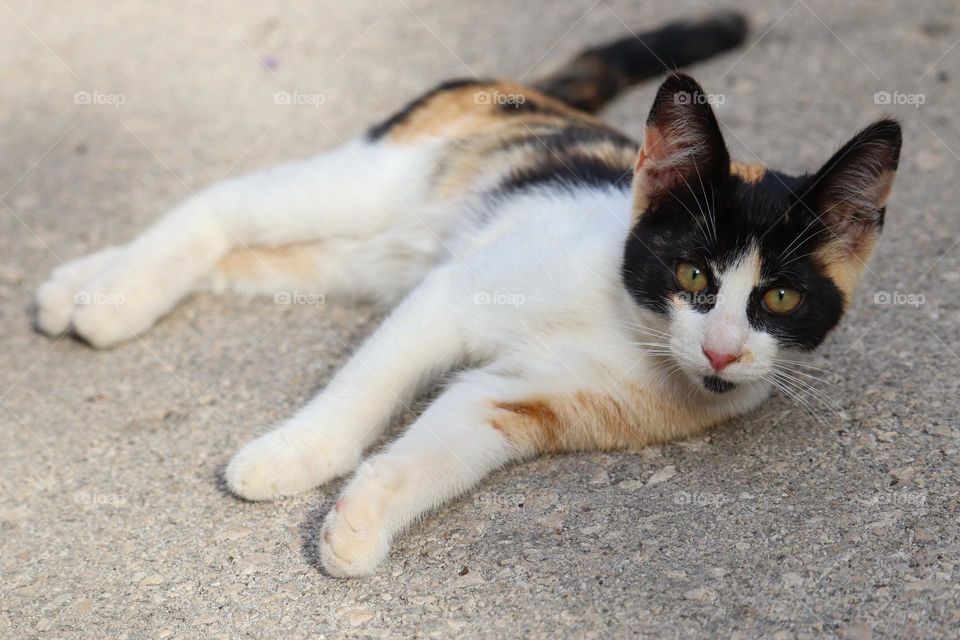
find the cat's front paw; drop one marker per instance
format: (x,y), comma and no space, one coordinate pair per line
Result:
(281,463)
(353,541)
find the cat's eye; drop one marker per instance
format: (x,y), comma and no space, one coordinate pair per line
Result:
(781,300)
(691,277)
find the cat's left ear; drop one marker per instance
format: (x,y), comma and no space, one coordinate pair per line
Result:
(849,194)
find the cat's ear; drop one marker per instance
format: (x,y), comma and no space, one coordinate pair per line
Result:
(682,146)
(849,194)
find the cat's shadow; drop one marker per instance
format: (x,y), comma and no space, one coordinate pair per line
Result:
(310,525)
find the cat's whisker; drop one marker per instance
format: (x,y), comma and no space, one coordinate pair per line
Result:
(646,329)
(807,390)
(810,237)
(651,343)
(710,210)
(692,214)
(821,406)
(649,333)
(799,240)
(791,374)
(800,363)
(696,199)
(794,396)
(803,374)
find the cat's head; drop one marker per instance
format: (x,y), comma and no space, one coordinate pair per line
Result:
(741,262)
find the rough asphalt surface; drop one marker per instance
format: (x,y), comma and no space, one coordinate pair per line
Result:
(792,522)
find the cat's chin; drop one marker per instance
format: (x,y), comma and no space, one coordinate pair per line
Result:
(716,384)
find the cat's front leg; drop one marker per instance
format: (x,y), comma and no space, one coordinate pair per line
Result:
(452,446)
(325,439)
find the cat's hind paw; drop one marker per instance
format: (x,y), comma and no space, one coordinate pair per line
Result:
(64,292)
(353,541)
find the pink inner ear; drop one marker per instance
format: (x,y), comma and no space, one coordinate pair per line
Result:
(665,160)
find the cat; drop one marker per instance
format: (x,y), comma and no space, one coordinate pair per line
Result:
(575,290)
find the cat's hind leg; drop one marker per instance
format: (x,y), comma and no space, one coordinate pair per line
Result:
(350,192)
(382,268)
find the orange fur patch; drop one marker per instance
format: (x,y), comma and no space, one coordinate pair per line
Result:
(751,173)
(457,112)
(296,260)
(845,266)
(630,417)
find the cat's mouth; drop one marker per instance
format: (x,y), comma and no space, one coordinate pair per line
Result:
(717,384)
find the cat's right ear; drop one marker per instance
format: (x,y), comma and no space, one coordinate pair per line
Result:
(682,146)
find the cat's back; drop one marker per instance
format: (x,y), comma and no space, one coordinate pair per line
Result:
(497,139)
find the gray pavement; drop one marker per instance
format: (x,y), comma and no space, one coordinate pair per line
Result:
(837,521)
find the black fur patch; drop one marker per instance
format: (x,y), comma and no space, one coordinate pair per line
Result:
(377,131)
(570,172)
(567,163)
(718,384)
(698,211)
(767,215)
(598,74)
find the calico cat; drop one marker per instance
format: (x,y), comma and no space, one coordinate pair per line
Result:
(592,293)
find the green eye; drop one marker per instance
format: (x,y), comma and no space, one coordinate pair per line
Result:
(781,300)
(692,278)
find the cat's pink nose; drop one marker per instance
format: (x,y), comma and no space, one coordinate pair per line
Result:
(719,361)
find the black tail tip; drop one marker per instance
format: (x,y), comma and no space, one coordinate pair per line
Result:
(730,26)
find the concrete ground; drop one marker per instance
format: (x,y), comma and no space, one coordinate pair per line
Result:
(840,522)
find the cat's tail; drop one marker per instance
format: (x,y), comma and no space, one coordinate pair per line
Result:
(597,75)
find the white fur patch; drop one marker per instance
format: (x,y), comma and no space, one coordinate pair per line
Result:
(725,329)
